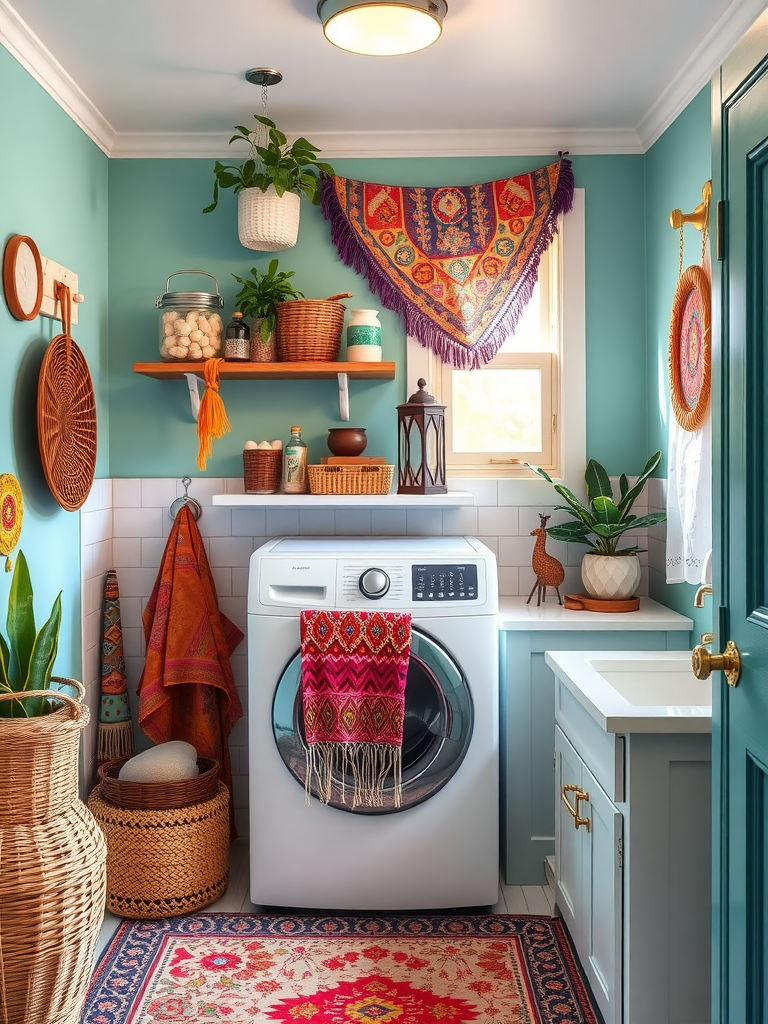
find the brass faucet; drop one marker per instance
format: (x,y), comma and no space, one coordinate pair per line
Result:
(701,593)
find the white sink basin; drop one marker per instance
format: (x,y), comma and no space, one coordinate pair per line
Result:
(655,681)
(636,691)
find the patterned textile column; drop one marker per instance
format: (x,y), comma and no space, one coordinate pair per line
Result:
(115,726)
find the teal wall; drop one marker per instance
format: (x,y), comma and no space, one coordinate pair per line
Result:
(53,187)
(676,167)
(157,228)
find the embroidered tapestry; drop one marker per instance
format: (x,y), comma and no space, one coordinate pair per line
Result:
(115,726)
(354,667)
(459,263)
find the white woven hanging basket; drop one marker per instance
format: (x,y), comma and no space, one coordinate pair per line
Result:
(266,221)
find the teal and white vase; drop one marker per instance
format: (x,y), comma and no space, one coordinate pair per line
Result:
(364,337)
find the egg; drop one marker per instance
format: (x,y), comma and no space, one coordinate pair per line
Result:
(277,444)
(249,446)
(264,445)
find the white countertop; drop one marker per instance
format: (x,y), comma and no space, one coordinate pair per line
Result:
(452,499)
(614,712)
(515,614)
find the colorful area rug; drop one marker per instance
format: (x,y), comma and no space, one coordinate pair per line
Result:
(340,970)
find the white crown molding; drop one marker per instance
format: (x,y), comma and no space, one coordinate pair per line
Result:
(341,145)
(696,73)
(21,42)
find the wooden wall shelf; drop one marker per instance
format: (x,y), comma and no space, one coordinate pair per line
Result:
(271,371)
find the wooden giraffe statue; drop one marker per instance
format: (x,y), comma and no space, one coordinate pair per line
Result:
(549,572)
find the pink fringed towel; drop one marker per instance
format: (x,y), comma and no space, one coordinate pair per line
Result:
(354,667)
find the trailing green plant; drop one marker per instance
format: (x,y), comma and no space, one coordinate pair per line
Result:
(603,521)
(289,168)
(27,657)
(259,297)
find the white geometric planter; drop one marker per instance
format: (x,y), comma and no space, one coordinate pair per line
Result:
(266,221)
(610,577)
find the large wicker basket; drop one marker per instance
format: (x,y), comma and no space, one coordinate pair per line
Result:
(52,868)
(309,330)
(350,479)
(158,795)
(164,862)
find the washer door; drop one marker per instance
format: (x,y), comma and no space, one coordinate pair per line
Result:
(437,729)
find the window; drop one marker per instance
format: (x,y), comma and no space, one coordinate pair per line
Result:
(528,403)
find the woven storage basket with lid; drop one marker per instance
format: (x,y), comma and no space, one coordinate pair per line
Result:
(309,330)
(52,867)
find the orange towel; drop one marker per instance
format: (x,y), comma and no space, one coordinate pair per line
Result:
(187,691)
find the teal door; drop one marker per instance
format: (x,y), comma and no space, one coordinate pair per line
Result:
(740,713)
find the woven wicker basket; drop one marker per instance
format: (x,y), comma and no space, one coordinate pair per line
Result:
(262,470)
(164,862)
(52,869)
(309,330)
(158,795)
(350,479)
(266,221)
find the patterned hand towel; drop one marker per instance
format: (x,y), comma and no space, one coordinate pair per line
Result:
(115,725)
(354,667)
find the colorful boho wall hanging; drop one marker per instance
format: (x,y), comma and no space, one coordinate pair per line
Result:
(458,263)
(11,515)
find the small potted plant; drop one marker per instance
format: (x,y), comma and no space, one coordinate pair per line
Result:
(269,185)
(607,571)
(258,299)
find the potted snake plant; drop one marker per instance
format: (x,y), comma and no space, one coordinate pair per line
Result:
(269,185)
(608,572)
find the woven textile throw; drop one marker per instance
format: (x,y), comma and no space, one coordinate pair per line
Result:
(459,263)
(115,726)
(354,667)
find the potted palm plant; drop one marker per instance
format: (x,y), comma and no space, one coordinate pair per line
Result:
(607,571)
(269,185)
(258,299)
(52,852)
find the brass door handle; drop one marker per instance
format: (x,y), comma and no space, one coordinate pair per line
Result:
(703,662)
(580,795)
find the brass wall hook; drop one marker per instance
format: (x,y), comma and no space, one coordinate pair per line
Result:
(699,218)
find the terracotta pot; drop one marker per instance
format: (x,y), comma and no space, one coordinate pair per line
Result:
(610,577)
(347,440)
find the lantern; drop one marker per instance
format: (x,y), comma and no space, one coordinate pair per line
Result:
(421,444)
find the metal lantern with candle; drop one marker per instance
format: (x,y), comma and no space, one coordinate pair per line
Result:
(421,444)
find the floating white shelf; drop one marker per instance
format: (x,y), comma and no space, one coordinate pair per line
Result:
(453,499)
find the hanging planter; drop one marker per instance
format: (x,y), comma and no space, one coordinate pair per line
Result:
(266,221)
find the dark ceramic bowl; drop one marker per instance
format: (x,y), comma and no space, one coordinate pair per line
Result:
(347,440)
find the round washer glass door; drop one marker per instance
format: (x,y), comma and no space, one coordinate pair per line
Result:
(436,731)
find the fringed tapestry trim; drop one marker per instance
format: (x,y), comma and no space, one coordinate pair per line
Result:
(458,263)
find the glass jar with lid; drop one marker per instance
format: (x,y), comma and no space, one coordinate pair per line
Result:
(190,324)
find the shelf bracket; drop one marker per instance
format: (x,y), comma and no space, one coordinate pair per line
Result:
(195,386)
(343,396)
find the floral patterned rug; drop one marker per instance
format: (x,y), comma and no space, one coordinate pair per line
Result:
(340,970)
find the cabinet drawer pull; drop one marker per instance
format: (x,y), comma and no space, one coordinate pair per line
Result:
(580,795)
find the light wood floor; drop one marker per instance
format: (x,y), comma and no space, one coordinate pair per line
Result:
(513,899)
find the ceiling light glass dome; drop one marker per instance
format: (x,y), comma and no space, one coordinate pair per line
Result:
(382,27)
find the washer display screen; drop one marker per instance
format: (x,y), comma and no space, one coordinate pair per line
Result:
(436,731)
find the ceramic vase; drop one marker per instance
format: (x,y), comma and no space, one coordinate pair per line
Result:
(266,221)
(364,337)
(610,577)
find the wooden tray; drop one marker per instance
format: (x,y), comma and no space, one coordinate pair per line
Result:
(584,603)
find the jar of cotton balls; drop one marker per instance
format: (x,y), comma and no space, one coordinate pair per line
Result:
(262,466)
(190,324)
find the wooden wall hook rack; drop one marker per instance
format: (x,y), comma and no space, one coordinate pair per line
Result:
(698,217)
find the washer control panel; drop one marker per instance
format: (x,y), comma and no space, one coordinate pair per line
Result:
(444,582)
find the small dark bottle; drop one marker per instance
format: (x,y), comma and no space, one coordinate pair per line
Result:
(237,339)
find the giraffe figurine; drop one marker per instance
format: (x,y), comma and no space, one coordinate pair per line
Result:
(549,572)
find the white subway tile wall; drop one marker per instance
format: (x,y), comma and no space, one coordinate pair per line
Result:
(126,522)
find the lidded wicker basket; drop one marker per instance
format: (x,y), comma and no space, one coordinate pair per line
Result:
(309,330)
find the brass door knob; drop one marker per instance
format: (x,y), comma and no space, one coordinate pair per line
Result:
(703,662)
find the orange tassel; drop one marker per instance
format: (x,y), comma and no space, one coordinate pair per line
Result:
(212,418)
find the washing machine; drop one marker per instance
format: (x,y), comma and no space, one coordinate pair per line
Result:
(439,848)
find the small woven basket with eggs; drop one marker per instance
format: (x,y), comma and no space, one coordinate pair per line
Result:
(262,466)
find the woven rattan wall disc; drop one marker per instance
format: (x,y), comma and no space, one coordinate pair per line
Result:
(690,348)
(66,422)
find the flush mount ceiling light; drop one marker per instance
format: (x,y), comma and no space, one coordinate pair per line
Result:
(382,28)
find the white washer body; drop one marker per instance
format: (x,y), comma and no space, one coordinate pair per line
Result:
(439,853)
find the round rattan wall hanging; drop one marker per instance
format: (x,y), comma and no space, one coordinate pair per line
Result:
(690,348)
(66,417)
(11,515)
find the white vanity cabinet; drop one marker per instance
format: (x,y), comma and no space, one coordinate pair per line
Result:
(632,851)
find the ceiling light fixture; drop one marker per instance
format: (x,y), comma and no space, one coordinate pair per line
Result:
(382,27)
